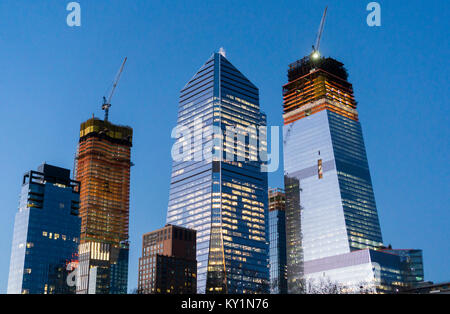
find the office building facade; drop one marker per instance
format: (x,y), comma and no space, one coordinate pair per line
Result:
(46,233)
(220,189)
(277,236)
(332,226)
(325,162)
(103,164)
(360,271)
(168,264)
(412,259)
(429,288)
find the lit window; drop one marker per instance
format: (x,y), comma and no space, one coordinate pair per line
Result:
(320,169)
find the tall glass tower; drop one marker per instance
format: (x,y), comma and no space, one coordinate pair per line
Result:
(333,211)
(46,233)
(220,189)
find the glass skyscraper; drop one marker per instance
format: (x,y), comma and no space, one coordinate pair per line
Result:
(219,188)
(277,228)
(46,233)
(332,227)
(324,153)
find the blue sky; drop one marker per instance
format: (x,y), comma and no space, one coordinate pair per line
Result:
(53,77)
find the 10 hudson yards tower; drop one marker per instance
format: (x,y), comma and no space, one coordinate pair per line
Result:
(219,187)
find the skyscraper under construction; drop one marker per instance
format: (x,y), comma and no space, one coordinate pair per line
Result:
(103,168)
(324,153)
(332,227)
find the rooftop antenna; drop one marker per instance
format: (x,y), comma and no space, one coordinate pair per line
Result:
(107,101)
(316,53)
(223,52)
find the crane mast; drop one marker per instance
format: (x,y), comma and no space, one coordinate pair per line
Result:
(316,53)
(107,101)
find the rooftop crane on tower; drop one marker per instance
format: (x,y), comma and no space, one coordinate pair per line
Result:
(107,101)
(316,54)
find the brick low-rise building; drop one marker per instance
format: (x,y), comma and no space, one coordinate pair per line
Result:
(168,264)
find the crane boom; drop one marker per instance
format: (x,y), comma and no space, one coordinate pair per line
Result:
(319,34)
(107,101)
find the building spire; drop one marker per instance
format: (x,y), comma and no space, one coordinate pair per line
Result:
(223,52)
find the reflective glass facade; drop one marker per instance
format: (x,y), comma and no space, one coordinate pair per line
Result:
(223,199)
(334,212)
(46,233)
(326,153)
(413,261)
(277,230)
(363,271)
(294,248)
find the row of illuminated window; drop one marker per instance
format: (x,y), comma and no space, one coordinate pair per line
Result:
(203,199)
(56,236)
(232,111)
(242,101)
(200,179)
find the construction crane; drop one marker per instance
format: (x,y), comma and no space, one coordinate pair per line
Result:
(107,101)
(316,54)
